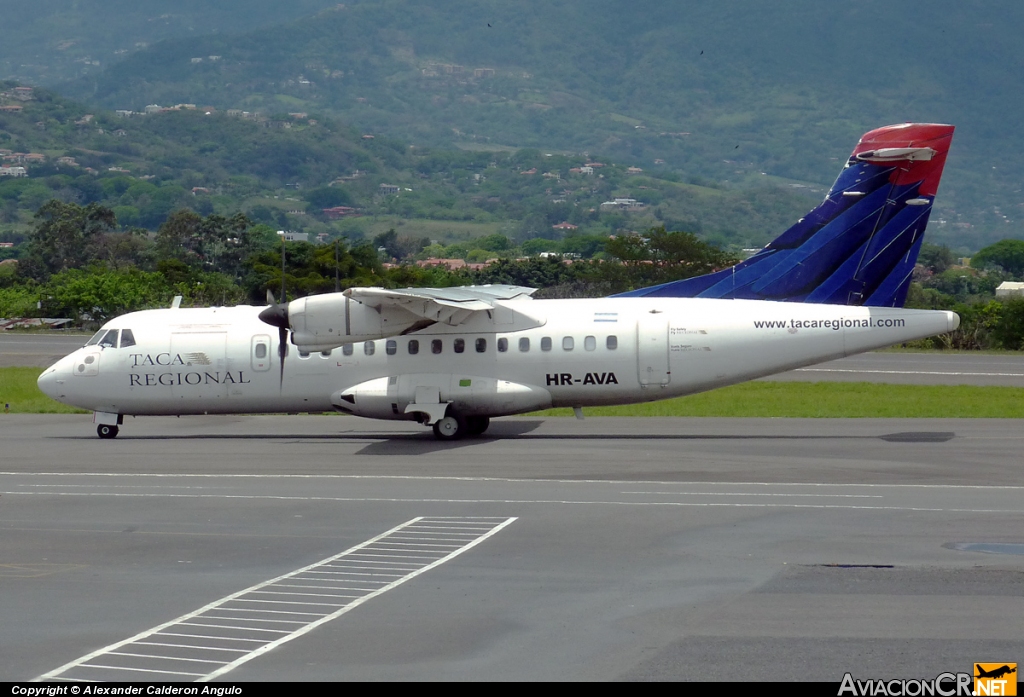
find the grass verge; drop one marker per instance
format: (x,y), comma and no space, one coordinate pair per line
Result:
(18,389)
(831,400)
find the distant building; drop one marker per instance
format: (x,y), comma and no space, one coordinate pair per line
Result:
(388,189)
(153,109)
(1010,289)
(12,108)
(634,170)
(294,236)
(622,203)
(565,226)
(340,212)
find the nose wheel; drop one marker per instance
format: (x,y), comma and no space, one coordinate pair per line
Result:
(106,431)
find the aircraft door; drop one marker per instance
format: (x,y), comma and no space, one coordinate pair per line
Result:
(198,367)
(652,350)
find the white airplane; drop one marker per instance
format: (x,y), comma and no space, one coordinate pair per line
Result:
(830,286)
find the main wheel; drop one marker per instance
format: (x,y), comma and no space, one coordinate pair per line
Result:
(475,425)
(451,427)
(106,431)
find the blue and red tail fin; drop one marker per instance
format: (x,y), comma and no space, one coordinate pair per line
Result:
(859,246)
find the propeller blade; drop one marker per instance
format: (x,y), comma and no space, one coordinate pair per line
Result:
(282,350)
(270,297)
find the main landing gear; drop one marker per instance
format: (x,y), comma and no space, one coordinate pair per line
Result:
(106,431)
(455,426)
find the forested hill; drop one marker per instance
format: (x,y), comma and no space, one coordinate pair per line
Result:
(46,41)
(724,90)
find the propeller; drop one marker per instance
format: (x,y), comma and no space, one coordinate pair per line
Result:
(277,316)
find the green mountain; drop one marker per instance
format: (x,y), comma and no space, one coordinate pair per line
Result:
(46,41)
(284,171)
(735,92)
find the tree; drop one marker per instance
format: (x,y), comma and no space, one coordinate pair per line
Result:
(62,237)
(1005,254)
(660,257)
(935,257)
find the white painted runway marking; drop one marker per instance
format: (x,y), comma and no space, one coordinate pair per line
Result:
(136,655)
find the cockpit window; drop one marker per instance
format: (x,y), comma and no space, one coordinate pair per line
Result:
(127,338)
(96,338)
(109,340)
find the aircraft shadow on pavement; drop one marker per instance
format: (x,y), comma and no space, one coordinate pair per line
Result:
(390,443)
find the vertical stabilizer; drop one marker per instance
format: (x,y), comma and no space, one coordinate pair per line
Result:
(859,246)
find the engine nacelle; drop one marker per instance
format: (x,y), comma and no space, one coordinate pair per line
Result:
(426,396)
(321,322)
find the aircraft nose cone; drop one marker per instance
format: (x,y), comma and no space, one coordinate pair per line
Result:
(47,382)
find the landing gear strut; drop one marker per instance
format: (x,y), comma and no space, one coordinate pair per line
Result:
(106,431)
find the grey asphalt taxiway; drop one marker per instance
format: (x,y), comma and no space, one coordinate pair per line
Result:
(331,548)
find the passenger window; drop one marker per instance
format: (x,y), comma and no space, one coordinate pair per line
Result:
(346,350)
(369,347)
(127,338)
(460,345)
(414,347)
(481,345)
(435,346)
(590,343)
(109,340)
(612,343)
(545,343)
(524,344)
(391,347)
(303,354)
(567,343)
(502,345)
(261,350)
(326,354)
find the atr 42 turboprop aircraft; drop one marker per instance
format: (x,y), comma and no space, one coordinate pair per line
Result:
(831,286)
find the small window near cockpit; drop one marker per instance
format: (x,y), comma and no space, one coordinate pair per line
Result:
(612,342)
(261,350)
(127,338)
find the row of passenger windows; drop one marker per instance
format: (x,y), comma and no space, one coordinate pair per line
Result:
(480,345)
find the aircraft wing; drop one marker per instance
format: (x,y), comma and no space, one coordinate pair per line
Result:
(448,305)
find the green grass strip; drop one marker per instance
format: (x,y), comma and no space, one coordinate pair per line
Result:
(18,389)
(751,399)
(831,400)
